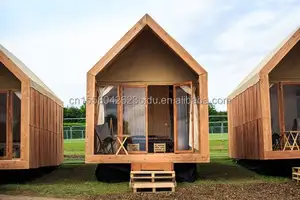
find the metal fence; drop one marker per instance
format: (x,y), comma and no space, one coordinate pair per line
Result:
(78,132)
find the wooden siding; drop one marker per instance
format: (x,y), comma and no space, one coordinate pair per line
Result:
(245,125)
(46,133)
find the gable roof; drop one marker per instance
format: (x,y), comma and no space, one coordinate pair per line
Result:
(35,82)
(146,20)
(269,63)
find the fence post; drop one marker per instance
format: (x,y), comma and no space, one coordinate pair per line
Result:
(222,127)
(81,134)
(71,132)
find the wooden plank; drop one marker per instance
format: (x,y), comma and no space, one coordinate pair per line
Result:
(175,46)
(13,164)
(281,53)
(147,117)
(266,114)
(152,166)
(203,115)
(9,128)
(132,33)
(175,120)
(90,117)
(144,158)
(25,121)
(281,110)
(118,47)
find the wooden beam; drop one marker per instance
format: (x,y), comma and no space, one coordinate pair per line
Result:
(9,127)
(133,32)
(90,114)
(203,115)
(174,45)
(144,158)
(118,47)
(25,121)
(175,119)
(13,164)
(266,113)
(280,108)
(281,53)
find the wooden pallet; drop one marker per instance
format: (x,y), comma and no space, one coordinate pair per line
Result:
(296,174)
(153,187)
(152,181)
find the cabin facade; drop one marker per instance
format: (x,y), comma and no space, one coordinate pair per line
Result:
(132,113)
(264,110)
(31,118)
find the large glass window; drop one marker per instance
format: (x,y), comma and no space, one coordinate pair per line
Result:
(16,125)
(107,121)
(3,124)
(183,109)
(134,118)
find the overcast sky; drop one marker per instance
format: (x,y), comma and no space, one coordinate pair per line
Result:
(61,40)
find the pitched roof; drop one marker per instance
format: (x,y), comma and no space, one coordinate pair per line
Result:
(35,82)
(269,63)
(146,20)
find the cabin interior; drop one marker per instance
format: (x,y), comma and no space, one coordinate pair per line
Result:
(10,115)
(285,102)
(144,101)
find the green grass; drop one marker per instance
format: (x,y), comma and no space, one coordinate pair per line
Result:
(78,180)
(218,144)
(74,147)
(69,180)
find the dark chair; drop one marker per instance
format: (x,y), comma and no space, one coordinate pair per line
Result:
(276,141)
(105,141)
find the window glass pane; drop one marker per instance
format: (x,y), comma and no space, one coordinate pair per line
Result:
(16,126)
(3,116)
(107,122)
(134,118)
(183,117)
(274,109)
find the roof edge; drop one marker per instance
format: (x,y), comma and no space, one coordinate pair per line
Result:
(147,20)
(267,64)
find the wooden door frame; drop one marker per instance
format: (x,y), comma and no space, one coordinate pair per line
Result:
(281,105)
(120,112)
(9,130)
(189,83)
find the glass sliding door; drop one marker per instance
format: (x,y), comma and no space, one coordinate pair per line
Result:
(16,124)
(3,125)
(183,118)
(135,129)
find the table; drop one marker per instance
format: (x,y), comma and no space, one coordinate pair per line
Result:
(122,143)
(291,139)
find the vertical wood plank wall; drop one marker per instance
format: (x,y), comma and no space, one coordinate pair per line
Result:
(46,132)
(245,125)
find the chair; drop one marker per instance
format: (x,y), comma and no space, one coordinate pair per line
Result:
(105,141)
(276,141)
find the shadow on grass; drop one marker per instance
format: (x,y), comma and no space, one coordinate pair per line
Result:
(282,168)
(64,173)
(223,169)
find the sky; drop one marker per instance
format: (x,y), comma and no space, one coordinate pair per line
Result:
(61,40)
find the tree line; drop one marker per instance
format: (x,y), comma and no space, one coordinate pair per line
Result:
(73,114)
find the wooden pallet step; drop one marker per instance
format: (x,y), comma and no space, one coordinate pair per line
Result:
(154,187)
(152,172)
(155,177)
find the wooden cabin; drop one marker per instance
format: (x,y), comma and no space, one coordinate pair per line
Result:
(31,118)
(264,110)
(136,108)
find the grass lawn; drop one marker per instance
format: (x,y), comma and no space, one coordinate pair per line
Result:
(78,180)
(74,147)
